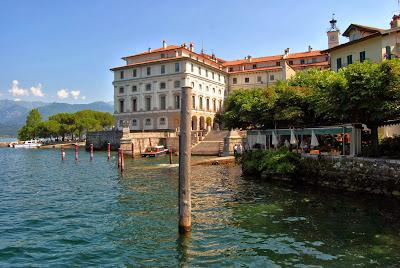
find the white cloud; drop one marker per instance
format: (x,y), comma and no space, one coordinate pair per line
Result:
(63,94)
(37,91)
(75,94)
(17,99)
(83,97)
(16,91)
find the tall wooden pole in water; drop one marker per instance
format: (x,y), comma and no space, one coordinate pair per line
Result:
(185,206)
(76,152)
(108,151)
(91,151)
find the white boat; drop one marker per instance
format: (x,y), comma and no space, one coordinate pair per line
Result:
(153,151)
(28,144)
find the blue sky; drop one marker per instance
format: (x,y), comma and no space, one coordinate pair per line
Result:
(63,50)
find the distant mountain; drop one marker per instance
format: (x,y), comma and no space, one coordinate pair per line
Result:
(13,113)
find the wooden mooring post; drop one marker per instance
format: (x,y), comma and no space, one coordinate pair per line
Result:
(76,152)
(108,151)
(119,158)
(170,154)
(91,151)
(185,206)
(133,150)
(122,160)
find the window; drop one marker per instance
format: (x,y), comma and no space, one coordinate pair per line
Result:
(177,102)
(199,70)
(163,69)
(362,56)
(219,92)
(121,123)
(121,106)
(234,80)
(162,121)
(214,90)
(388,52)
(177,67)
(148,122)
(134,88)
(200,87)
(219,77)
(220,105)
(192,84)
(208,104)
(278,63)
(207,89)
(148,103)
(338,63)
(134,73)
(206,73)
(272,77)
(212,75)
(192,67)
(246,80)
(121,90)
(290,62)
(177,84)
(148,70)
(201,103)
(230,69)
(134,122)
(302,61)
(254,66)
(162,103)
(259,79)
(163,85)
(121,74)
(314,60)
(162,55)
(214,105)
(134,105)
(349,59)
(148,87)
(194,102)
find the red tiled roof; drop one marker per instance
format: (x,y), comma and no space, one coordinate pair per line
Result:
(161,49)
(313,53)
(145,62)
(322,63)
(253,60)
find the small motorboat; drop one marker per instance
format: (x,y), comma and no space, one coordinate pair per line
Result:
(153,151)
(28,144)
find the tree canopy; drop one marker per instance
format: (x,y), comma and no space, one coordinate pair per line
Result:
(363,92)
(63,124)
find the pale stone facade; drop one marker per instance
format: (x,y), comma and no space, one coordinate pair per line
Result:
(147,88)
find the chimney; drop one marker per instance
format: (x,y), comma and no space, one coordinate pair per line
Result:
(213,56)
(191,47)
(249,58)
(395,21)
(309,48)
(149,50)
(164,44)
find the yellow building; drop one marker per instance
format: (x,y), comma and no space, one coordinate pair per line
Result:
(365,43)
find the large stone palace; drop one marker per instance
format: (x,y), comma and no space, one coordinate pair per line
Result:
(147,88)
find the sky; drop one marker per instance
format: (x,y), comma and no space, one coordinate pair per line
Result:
(61,51)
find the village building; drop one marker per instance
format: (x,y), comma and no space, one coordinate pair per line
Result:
(365,43)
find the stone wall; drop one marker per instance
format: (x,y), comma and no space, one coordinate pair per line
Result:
(376,176)
(101,138)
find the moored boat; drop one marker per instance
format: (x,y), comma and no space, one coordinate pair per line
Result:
(28,144)
(153,151)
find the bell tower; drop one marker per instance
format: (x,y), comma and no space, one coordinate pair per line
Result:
(333,33)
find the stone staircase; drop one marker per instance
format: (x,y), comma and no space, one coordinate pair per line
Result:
(211,144)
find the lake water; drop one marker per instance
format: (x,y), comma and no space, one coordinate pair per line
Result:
(63,214)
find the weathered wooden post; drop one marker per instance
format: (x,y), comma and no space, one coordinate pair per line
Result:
(133,150)
(76,152)
(170,154)
(62,153)
(122,160)
(108,151)
(91,151)
(185,206)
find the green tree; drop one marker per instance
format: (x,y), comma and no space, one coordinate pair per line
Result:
(30,129)
(249,108)
(48,129)
(67,122)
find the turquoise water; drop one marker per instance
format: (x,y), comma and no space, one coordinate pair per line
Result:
(63,214)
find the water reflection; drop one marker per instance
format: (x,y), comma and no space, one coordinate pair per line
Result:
(63,214)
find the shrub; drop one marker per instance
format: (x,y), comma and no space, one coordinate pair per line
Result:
(390,147)
(270,163)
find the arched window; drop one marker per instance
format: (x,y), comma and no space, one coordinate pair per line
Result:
(134,122)
(162,121)
(148,122)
